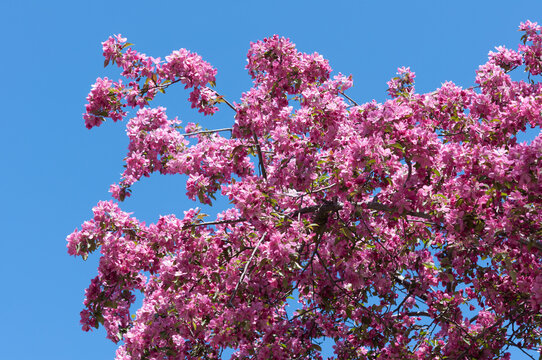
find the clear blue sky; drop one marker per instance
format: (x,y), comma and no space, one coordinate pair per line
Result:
(55,170)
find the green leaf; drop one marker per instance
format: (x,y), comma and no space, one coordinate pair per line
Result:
(201,216)
(429,265)
(219,99)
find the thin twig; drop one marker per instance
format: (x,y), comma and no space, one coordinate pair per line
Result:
(418,313)
(226,101)
(409,172)
(206,132)
(260,156)
(510,342)
(300,194)
(409,286)
(303,312)
(230,105)
(349,98)
(218,222)
(381,207)
(309,263)
(323,188)
(335,282)
(160,86)
(246,269)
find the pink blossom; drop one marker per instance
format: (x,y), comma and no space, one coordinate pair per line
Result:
(407,229)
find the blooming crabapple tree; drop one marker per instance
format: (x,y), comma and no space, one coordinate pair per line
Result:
(409,229)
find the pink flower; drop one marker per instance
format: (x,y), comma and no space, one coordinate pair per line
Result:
(387,225)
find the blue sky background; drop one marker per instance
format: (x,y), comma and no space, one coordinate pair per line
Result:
(55,170)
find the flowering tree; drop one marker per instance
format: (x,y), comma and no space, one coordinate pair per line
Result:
(408,230)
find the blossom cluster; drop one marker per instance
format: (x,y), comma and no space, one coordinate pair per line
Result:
(405,229)
(146,77)
(104,100)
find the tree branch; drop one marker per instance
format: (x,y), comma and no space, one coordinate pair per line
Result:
(381,207)
(206,132)
(349,98)
(330,206)
(218,222)
(531,242)
(225,101)
(260,156)
(246,269)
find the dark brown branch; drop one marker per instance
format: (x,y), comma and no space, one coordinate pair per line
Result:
(303,312)
(418,313)
(328,207)
(408,285)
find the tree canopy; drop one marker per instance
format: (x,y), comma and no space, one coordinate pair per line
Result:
(409,229)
